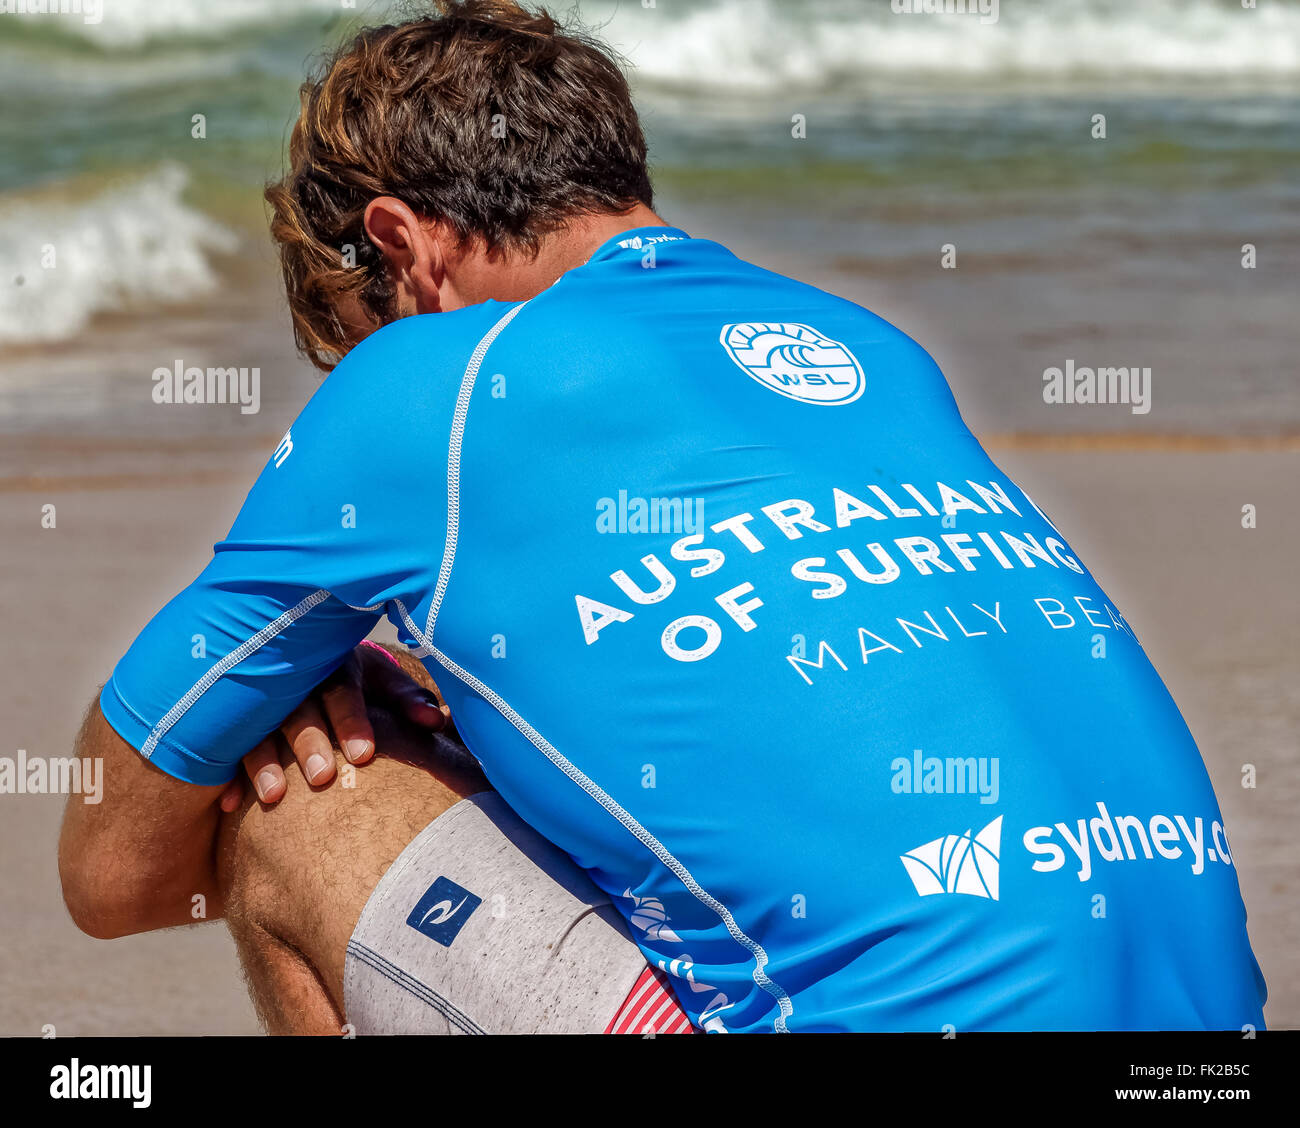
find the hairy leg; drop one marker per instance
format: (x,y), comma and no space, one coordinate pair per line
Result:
(297,875)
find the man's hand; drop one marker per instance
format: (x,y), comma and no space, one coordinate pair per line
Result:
(370,676)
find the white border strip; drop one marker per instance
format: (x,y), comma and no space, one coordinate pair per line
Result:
(208,680)
(453,463)
(422,650)
(593,789)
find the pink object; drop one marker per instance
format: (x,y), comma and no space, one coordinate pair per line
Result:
(650,1007)
(376,646)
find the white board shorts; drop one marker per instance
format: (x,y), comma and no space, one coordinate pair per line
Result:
(482,926)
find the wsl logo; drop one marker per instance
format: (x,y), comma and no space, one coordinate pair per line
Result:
(795,361)
(958,863)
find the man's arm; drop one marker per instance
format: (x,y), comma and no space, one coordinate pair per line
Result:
(324,543)
(136,860)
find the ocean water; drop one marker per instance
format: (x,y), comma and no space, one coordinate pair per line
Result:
(917,131)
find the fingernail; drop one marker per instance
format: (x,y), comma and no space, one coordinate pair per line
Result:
(317,765)
(264,782)
(356,750)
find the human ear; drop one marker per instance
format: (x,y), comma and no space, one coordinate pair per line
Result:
(413,255)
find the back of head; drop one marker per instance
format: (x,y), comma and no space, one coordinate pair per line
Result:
(484,116)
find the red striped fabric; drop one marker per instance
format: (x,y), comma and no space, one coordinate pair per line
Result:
(650,1008)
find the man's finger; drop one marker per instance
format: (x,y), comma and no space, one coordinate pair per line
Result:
(345,708)
(262,766)
(387,684)
(307,735)
(232,796)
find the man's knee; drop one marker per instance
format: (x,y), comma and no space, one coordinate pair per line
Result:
(286,982)
(301,871)
(257,852)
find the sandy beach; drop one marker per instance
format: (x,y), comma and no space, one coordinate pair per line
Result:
(1211,602)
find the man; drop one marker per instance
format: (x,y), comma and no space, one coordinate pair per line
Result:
(724,598)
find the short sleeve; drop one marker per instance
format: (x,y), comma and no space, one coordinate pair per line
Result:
(336,526)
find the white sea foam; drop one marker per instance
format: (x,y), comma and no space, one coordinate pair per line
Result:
(130,22)
(764,44)
(754,44)
(123,247)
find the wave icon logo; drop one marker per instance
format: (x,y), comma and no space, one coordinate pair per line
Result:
(958,863)
(795,361)
(438,915)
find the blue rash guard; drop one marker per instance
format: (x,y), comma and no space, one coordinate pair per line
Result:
(732,607)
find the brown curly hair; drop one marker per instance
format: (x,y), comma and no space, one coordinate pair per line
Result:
(485,116)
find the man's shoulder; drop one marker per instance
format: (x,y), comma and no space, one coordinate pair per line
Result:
(409,370)
(379,406)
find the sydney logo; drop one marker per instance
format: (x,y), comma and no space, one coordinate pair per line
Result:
(958,863)
(795,361)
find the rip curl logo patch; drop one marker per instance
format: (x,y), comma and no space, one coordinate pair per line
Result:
(795,361)
(443,910)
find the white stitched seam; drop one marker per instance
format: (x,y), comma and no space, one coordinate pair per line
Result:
(647,839)
(453,463)
(593,789)
(242,651)
(421,651)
